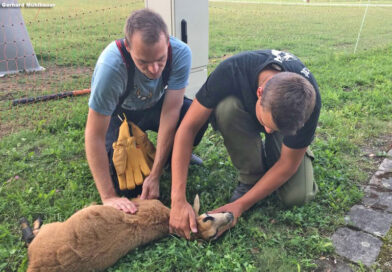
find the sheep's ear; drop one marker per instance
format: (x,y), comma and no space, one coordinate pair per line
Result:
(196,205)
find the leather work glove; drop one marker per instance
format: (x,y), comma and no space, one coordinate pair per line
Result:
(130,180)
(136,162)
(120,155)
(146,146)
(120,162)
(133,157)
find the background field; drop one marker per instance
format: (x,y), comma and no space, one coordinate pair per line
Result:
(43,169)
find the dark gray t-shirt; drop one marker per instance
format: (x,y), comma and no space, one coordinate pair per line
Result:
(238,76)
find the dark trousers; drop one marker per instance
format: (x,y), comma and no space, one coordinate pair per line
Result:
(146,120)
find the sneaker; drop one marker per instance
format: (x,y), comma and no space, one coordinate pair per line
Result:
(195,160)
(240,190)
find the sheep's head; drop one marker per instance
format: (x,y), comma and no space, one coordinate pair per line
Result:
(210,224)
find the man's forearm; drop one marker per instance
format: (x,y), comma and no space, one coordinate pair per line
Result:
(182,151)
(266,185)
(170,115)
(195,118)
(276,176)
(165,139)
(99,165)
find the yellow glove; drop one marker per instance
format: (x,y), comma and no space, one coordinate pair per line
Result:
(120,162)
(142,142)
(136,162)
(120,154)
(133,157)
(129,170)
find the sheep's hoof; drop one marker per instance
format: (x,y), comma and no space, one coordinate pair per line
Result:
(27,232)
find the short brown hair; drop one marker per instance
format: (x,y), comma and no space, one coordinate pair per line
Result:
(290,98)
(149,23)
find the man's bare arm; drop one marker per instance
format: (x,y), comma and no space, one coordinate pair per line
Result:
(282,170)
(170,115)
(182,217)
(276,176)
(96,128)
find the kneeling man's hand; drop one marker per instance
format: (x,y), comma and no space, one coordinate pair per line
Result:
(235,209)
(182,220)
(121,203)
(150,188)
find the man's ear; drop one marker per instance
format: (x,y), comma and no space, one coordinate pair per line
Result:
(196,205)
(259,91)
(127,45)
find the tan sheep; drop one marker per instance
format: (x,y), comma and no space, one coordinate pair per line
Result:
(95,237)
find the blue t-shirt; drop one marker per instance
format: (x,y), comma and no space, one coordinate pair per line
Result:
(110,80)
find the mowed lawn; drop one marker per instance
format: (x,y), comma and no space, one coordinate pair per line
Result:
(43,170)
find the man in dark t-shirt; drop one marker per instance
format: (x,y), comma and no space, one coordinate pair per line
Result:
(267,91)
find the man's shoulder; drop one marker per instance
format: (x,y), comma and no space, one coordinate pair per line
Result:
(111,56)
(246,59)
(179,48)
(266,56)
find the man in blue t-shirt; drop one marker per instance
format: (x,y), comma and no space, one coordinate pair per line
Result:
(153,102)
(264,91)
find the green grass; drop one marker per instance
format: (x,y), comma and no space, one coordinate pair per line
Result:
(72,33)
(309,32)
(43,170)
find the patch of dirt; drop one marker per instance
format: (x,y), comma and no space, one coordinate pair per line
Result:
(54,79)
(329,264)
(382,143)
(6,129)
(24,84)
(374,150)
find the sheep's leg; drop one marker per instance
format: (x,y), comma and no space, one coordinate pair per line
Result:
(37,225)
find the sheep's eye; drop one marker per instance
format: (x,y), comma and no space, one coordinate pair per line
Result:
(208,218)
